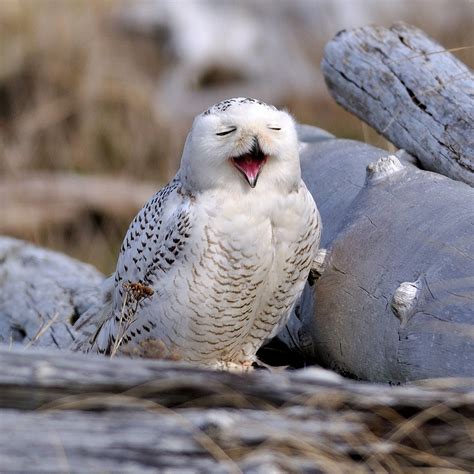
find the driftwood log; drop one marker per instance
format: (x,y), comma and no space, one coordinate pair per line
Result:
(410,89)
(42,293)
(396,300)
(77,413)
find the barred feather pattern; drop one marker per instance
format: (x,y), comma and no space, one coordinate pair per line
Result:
(215,298)
(223,267)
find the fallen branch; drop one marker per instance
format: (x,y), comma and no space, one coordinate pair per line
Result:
(410,89)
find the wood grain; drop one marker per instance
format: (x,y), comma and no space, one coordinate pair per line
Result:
(410,89)
(64,412)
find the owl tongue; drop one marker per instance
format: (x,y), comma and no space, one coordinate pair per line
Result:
(251,164)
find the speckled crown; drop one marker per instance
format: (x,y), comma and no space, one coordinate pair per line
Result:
(225,104)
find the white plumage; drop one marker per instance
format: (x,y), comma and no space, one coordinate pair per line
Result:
(214,262)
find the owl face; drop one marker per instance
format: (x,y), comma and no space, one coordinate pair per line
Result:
(241,144)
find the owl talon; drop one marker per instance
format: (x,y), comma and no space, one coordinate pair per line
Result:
(235,367)
(320,264)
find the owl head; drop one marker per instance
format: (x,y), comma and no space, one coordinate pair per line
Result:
(241,144)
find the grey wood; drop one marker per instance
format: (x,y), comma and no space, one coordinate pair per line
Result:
(310,134)
(399,224)
(35,378)
(41,293)
(334,172)
(66,412)
(409,89)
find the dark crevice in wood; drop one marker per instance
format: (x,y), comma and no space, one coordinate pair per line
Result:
(415,99)
(403,41)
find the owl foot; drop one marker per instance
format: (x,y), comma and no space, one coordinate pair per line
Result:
(235,367)
(320,263)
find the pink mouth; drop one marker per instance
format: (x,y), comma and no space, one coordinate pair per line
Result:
(251,164)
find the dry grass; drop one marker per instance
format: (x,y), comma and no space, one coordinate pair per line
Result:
(68,101)
(42,330)
(75,96)
(336,432)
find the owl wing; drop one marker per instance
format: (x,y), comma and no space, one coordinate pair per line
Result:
(155,241)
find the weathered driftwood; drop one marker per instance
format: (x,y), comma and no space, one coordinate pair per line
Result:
(42,293)
(396,301)
(32,201)
(410,90)
(77,413)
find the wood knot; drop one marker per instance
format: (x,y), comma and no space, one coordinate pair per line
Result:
(404,300)
(383,168)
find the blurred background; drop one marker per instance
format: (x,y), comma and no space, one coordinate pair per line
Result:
(96,97)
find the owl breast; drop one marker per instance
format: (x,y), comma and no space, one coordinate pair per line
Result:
(236,281)
(246,277)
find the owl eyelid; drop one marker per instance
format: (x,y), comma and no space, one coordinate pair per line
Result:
(274,128)
(226,132)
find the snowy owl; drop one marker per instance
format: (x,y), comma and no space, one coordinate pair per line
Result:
(213,264)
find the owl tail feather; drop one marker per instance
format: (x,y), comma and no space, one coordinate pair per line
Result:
(96,323)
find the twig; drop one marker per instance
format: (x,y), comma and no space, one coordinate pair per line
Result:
(42,330)
(137,292)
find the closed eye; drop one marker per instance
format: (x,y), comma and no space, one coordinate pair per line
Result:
(274,128)
(226,132)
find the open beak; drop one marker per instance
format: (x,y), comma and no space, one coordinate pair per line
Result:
(250,164)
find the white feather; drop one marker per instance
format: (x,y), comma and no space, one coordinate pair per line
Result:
(226,262)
